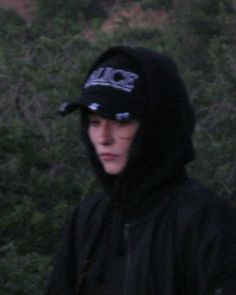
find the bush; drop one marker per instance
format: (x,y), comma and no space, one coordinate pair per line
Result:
(43,165)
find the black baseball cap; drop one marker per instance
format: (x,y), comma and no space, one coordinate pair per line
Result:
(114,88)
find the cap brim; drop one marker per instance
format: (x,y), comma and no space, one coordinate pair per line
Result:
(68,107)
(115,108)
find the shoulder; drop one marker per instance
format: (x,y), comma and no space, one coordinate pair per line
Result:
(194,196)
(197,204)
(205,234)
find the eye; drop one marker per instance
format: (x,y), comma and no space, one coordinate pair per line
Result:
(94,121)
(123,123)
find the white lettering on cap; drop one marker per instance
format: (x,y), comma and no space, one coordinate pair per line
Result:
(94,106)
(116,78)
(122,116)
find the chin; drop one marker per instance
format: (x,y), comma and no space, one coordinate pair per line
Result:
(113,170)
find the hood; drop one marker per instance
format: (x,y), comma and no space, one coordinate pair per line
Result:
(163,145)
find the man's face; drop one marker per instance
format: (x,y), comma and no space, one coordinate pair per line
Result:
(112,141)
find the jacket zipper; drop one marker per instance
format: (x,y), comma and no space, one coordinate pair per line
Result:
(128,262)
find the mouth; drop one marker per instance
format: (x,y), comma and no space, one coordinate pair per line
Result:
(107,156)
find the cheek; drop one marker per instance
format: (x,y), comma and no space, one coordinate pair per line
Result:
(91,136)
(130,132)
(126,143)
(128,137)
(92,140)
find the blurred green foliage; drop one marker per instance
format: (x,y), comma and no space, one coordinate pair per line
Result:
(44,170)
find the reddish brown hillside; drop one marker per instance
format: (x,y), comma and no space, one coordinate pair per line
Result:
(24,8)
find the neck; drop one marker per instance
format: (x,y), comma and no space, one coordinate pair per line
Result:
(140,194)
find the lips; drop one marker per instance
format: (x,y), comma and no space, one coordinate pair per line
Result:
(107,156)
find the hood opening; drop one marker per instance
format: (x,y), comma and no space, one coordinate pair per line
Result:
(163,145)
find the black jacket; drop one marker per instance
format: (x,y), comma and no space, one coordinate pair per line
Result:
(185,245)
(152,230)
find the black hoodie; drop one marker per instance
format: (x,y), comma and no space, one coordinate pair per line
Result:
(152,230)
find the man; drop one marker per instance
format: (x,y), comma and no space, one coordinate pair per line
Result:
(152,230)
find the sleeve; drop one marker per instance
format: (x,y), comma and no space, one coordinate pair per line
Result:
(63,277)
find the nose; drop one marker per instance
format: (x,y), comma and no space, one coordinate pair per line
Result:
(105,133)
